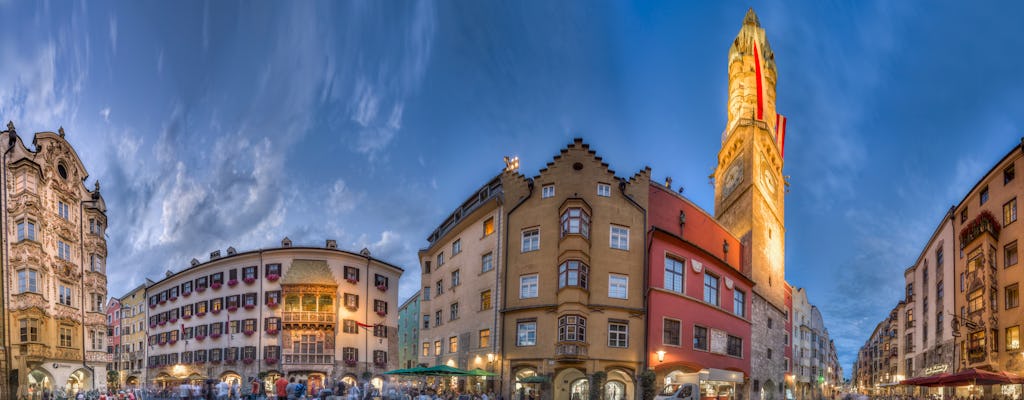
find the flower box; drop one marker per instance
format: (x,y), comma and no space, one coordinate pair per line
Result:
(232,308)
(380,364)
(233,282)
(249,280)
(152,325)
(173,320)
(247,360)
(187,316)
(350,362)
(201,289)
(273,277)
(230,362)
(214,335)
(248,332)
(172,341)
(201,313)
(186,294)
(382,313)
(250,306)
(271,331)
(215,311)
(272,304)
(164,301)
(162,342)
(214,361)
(200,337)
(215,285)
(162,323)
(152,305)
(382,288)
(352,280)
(175,298)
(200,362)
(271,361)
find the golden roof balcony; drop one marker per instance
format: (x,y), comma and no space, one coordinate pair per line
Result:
(308,319)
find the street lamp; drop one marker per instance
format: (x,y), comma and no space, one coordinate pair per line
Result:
(661,355)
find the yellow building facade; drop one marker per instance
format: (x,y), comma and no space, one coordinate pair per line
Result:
(54,267)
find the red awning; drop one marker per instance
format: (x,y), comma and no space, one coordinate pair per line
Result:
(966,377)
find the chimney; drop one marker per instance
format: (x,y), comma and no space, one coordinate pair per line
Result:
(332,244)
(214,255)
(231,251)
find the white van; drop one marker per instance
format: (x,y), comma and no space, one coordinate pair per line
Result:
(684,391)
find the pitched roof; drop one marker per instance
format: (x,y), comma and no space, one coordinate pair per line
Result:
(309,272)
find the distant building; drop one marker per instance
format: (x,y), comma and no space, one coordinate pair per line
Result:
(54,269)
(409,332)
(114,342)
(314,313)
(816,370)
(131,361)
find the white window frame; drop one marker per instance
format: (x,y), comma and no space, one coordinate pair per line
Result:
(617,281)
(28,280)
(530,240)
(26,229)
(682,275)
(523,285)
(616,239)
(486,262)
(526,328)
(604,190)
(616,336)
(456,247)
(547,191)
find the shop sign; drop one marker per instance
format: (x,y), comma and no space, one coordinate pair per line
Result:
(937,368)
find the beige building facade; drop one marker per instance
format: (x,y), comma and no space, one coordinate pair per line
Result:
(132,356)
(54,254)
(573,303)
(315,313)
(459,298)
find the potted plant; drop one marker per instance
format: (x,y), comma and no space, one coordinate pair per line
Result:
(273,277)
(162,323)
(271,304)
(163,301)
(152,324)
(249,280)
(186,294)
(232,282)
(152,305)
(174,319)
(174,298)
(172,341)
(381,313)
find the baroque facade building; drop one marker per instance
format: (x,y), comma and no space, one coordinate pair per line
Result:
(314,313)
(54,272)
(459,299)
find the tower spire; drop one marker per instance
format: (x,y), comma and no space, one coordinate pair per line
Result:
(751,18)
(752,76)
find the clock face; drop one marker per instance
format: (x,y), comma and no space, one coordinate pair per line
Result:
(769,181)
(732,178)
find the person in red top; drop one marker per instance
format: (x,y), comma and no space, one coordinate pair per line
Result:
(280,387)
(256,392)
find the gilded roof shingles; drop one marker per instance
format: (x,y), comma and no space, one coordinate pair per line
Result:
(309,272)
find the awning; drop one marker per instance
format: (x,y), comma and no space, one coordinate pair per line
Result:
(722,375)
(966,377)
(534,379)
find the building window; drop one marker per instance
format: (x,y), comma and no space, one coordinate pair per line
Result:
(671,334)
(27,281)
(65,336)
(453,344)
(349,326)
(528,286)
(572,273)
(983,196)
(63,209)
(1012,296)
(618,334)
(488,227)
(437,318)
(352,274)
(485,300)
(604,190)
(619,237)
(1008,174)
(531,240)
(437,347)
(381,281)
(440,259)
(1010,211)
(526,333)
(1010,255)
(426,321)
(710,289)
(575,221)
(426,349)
(938,323)
(453,311)
(974,301)
(380,307)
(28,329)
(734,346)
(63,250)
(484,338)
(700,338)
(274,269)
(769,354)
(739,305)
(380,357)
(456,247)
(350,354)
(547,191)
(618,286)
(380,330)
(487,262)
(439,286)
(455,278)
(1013,338)
(26,230)
(572,328)
(674,274)
(65,295)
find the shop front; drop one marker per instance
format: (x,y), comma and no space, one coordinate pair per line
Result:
(715,384)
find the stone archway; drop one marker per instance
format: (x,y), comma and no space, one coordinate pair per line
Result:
(521,377)
(571,384)
(619,385)
(36,382)
(79,380)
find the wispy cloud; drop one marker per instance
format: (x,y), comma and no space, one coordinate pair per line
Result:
(105,113)
(113,34)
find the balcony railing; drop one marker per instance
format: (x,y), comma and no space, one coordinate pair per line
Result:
(308,316)
(571,350)
(34,350)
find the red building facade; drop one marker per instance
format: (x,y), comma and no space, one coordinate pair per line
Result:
(699,302)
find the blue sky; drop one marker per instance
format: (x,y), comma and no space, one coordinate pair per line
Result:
(239,123)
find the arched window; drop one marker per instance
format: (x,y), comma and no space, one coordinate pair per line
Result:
(580,389)
(572,328)
(572,273)
(291,303)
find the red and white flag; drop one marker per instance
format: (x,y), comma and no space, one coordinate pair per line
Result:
(780,133)
(760,83)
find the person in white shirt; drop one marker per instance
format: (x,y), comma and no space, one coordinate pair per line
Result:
(222,390)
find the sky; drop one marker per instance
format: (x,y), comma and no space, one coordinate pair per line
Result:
(216,124)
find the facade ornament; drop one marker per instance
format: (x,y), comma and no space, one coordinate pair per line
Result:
(97,186)
(10,127)
(60,131)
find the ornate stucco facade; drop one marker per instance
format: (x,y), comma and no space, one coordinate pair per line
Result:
(55,283)
(315,313)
